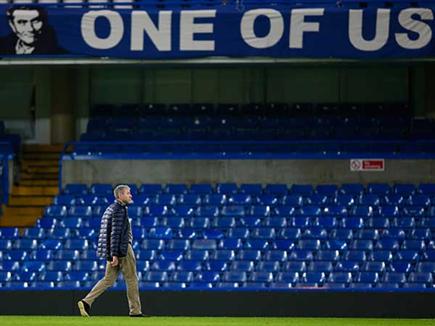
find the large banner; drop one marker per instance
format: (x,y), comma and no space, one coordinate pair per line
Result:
(274,31)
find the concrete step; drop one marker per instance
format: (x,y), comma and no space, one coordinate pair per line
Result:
(31,163)
(18,221)
(38,176)
(25,201)
(42,148)
(38,182)
(20,211)
(41,169)
(40,156)
(34,190)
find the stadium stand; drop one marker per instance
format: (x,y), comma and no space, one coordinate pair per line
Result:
(248,239)
(254,130)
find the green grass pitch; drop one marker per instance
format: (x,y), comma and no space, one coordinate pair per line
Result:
(205,321)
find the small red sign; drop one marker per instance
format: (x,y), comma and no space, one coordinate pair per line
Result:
(367,165)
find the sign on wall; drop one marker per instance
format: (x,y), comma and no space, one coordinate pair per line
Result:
(278,31)
(367,165)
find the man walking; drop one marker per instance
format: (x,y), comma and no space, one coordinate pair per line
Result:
(115,245)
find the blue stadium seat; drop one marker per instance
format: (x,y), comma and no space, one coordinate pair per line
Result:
(369,200)
(352,189)
(342,234)
(259,210)
(361,245)
(252,189)
(353,223)
(340,277)
(202,189)
(150,189)
(55,211)
(276,222)
(175,255)
(268,199)
(290,200)
(214,200)
(64,200)
(287,277)
(234,276)
(337,244)
(204,244)
(327,189)
(80,211)
(263,233)
(379,188)
(189,265)
(155,276)
(268,266)
(367,234)
(226,188)
(313,278)
(426,189)
(367,277)
(163,265)
(242,265)
(59,265)
(165,199)
(275,255)
(24,244)
(75,189)
(238,232)
(176,189)
(259,244)
(400,266)
(355,255)
(32,266)
(276,189)
(290,233)
(347,266)
(304,255)
(373,266)
(345,200)
(380,255)
(178,244)
(250,222)
(249,254)
(420,277)
(404,189)
(417,245)
(326,222)
(308,244)
(328,255)
(294,266)
(303,190)
(190,199)
(426,267)
(320,266)
(146,255)
(406,255)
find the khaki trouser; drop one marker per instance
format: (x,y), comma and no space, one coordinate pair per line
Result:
(127,266)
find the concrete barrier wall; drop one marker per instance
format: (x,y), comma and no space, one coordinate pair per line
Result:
(228,303)
(242,171)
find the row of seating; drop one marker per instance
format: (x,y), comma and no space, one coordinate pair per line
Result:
(161,210)
(299,257)
(234,275)
(247,199)
(255,227)
(356,247)
(351,267)
(306,110)
(355,189)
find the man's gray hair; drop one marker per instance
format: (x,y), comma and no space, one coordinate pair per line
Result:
(118,189)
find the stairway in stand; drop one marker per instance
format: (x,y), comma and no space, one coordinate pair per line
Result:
(37,185)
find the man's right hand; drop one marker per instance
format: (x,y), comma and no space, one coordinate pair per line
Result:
(114,262)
